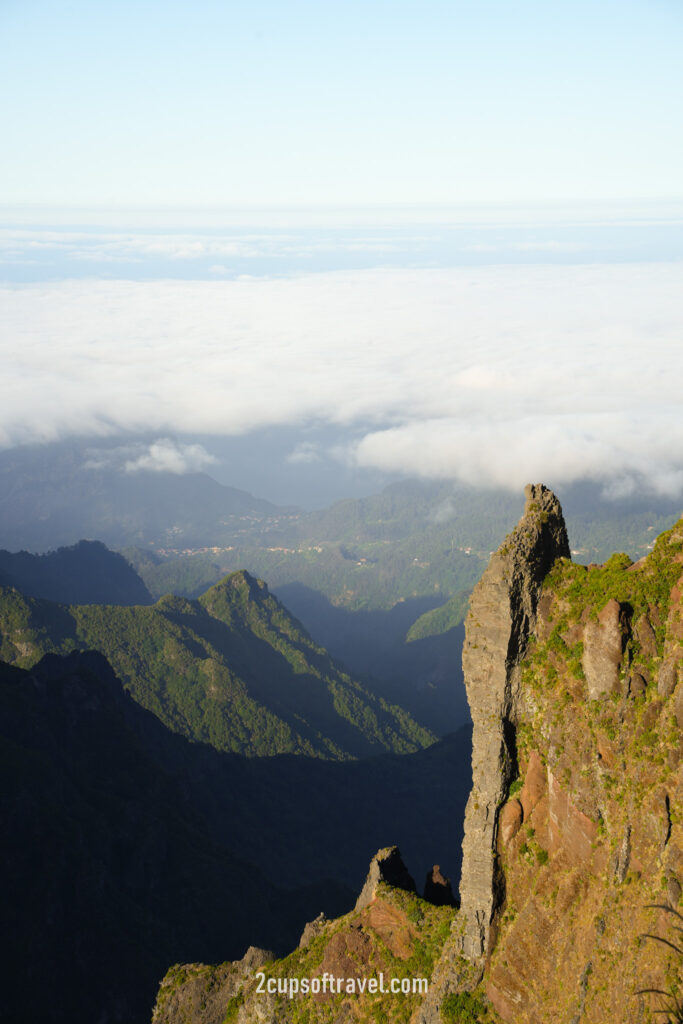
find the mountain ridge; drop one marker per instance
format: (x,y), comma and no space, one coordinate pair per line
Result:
(232,668)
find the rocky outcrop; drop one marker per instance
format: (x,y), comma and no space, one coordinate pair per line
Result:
(501,618)
(603,646)
(335,974)
(312,930)
(199,993)
(385,866)
(596,863)
(510,821)
(438,889)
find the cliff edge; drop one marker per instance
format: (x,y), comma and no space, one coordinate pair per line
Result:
(590,838)
(501,617)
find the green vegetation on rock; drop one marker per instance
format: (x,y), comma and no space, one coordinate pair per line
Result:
(601,758)
(617,579)
(464,1008)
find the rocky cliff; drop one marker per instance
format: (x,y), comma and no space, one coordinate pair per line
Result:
(573,852)
(590,839)
(573,849)
(501,617)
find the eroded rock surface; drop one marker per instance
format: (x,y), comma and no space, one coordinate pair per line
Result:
(603,647)
(501,617)
(510,822)
(567,870)
(385,866)
(200,994)
(312,930)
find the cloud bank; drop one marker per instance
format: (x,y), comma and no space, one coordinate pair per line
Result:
(161,456)
(489,375)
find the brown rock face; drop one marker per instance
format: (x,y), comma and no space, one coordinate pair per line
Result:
(599,856)
(392,927)
(637,684)
(534,784)
(603,646)
(569,829)
(678,706)
(667,678)
(645,635)
(510,821)
(501,617)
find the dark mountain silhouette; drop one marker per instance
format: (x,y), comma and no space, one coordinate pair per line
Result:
(109,870)
(85,573)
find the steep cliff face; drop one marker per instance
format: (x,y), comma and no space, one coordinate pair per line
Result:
(591,837)
(572,870)
(501,616)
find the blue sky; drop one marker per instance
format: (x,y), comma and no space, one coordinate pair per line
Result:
(343,103)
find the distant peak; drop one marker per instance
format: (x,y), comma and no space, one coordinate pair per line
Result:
(237,583)
(242,578)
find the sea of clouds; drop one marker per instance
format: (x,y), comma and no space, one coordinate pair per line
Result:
(491,375)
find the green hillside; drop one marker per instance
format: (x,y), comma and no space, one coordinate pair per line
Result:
(440,620)
(232,669)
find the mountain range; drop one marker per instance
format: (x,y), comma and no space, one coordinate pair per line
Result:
(55,495)
(211,779)
(381,582)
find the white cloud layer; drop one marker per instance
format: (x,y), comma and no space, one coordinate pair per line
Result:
(493,375)
(161,456)
(166,456)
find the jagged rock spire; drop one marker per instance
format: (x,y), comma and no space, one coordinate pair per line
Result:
(501,617)
(386,866)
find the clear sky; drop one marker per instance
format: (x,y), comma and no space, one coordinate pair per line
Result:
(339,101)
